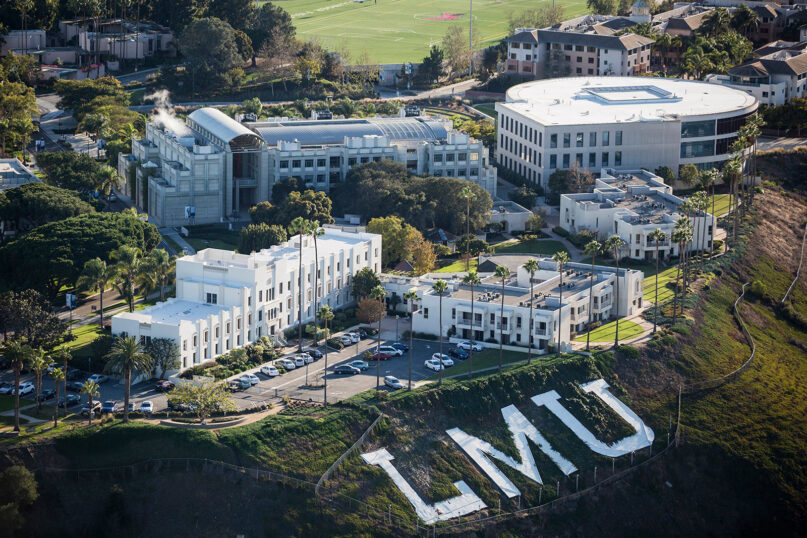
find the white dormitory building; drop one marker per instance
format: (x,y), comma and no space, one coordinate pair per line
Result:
(226,300)
(621,122)
(631,204)
(219,167)
(549,315)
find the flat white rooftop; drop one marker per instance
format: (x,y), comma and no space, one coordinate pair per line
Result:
(174,311)
(607,100)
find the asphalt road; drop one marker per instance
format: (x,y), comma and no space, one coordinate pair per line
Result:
(292,384)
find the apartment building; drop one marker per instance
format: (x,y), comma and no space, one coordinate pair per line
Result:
(620,122)
(569,315)
(226,300)
(631,204)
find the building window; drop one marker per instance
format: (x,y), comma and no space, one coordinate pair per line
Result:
(212,298)
(617,158)
(553,140)
(567,139)
(618,138)
(320,162)
(553,161)
(592,139)
(578,140)
(606,138)
(604,159)
(295,163)
(592,160)
(697,149)
(565,160)
(309,163)
(284,164)
(692,129)
(425,313)
(578,159)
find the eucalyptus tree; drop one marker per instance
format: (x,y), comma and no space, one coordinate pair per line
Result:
(502,273)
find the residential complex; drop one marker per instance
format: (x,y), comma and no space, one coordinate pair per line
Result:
(621,122)
(211,167)
(631,204)
(226,300)
(549,315)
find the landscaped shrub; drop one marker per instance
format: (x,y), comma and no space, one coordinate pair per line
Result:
(681,329)
(335,343)
(581,239)
(629,352)
(560,231)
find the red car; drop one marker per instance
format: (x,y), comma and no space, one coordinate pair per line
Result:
(164,386)
(381,356)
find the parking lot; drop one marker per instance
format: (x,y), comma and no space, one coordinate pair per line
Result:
(302,383)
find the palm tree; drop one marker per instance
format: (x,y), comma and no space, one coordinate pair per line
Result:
(682,234)
(300,226)
(38,365)
(412,296)
(531,266)
(127,132)
(159,268)
(744,19)
(128,260)
(63,355)
(24,7)
(326,314)
(95,276)
(378,293)
(108,179)
(315,232)
(126,355)
(90,388)
(708,179)
(592,248)
(472,279)
(502,273)
(561,257)
(656,235)
(716,23)
(440,287)
(613,244)
(18,355)
(58,376)
(469,195)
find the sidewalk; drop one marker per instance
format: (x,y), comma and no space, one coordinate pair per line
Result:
(647,333)
(176,236)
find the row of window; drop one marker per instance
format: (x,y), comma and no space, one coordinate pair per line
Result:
(605,160)
(579,139)
(335,162)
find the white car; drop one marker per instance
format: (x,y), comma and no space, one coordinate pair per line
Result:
(252,378)
(298,362)
(394,351)
(447,361)
(432,364)
(26,388)
(307,359)
(465,345)
(98,378)
(393,382)
(346,340)
(269,370)
(354,337)
(286,364)
(146,407)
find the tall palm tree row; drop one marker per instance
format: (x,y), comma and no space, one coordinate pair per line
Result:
(656,236)
(58,376)
(531,267)
(62,355)
(90,388)
(561,257)
(38,365)
(614,244)
(708,180)
(125,355)
(19,356)
(158,268)
(502,273)
(326,314)
(440,287)
(411,296)
(96,276)
(681,235)
(128,266)
(592,248)
(378,293)
(472,279)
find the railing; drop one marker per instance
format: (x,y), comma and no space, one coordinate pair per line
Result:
(468,323)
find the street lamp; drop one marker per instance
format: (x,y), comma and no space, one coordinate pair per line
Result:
(397,318)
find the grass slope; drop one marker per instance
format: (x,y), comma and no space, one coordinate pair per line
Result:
(606,333)
(457,266)
(394,31)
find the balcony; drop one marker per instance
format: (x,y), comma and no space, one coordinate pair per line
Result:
(466,323)
(541,332)
(602,305)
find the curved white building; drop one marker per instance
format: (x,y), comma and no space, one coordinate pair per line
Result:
(620,122)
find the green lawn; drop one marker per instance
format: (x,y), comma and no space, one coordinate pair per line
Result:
(85,335)
(457,267)
(484,359)
(6,402)
(605,333)
(721,204)
(532,246)
(202,237)
(450,114)
(394,31)
(487,108)
(665,293)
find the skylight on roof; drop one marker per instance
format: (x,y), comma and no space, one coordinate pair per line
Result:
(631,94)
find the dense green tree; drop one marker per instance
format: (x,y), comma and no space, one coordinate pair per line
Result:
(363,283)
(458,53)
(603,7)
(164,354)
(28,315)
(69,170)
(157,271)
(76,94)
(282,188)
(24,69)
(689,174)
(54,254)
(431,68)
(541,17)
(716,22)
(271,24)
(175,15)
(95,277)
(17,105)
(18,490)
(310,205)
(524,196)
(33,204)
(255,237)
(237,13)
(211,49)
(398,239)
(127,355)
(129,270)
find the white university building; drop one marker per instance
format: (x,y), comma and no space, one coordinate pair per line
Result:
(622,122)
(226,300)
(631,204)
(550,315)
(212,168)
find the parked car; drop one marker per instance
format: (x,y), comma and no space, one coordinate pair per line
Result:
(393,382)
(315,354)
(110,406)
(458,353)
(446,359)
(26,388)
(131,407)
(164,386)
(286,364)
(146,407)
(380,356)
(307,359)
(354,337)
(346,340)
(96,408)
(402,347)
(51,367)
(75,386)
(98,378)
(269,370)
(70,399)
(46,394)
(298,362)
(346,369)
(361,365)
(75,375)
(465,345)
(6,388)
(251,378)
(432,364)
(394,352)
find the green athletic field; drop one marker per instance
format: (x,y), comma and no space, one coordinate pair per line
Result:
(395,31)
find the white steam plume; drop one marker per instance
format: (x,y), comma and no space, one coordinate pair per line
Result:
(164,116)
